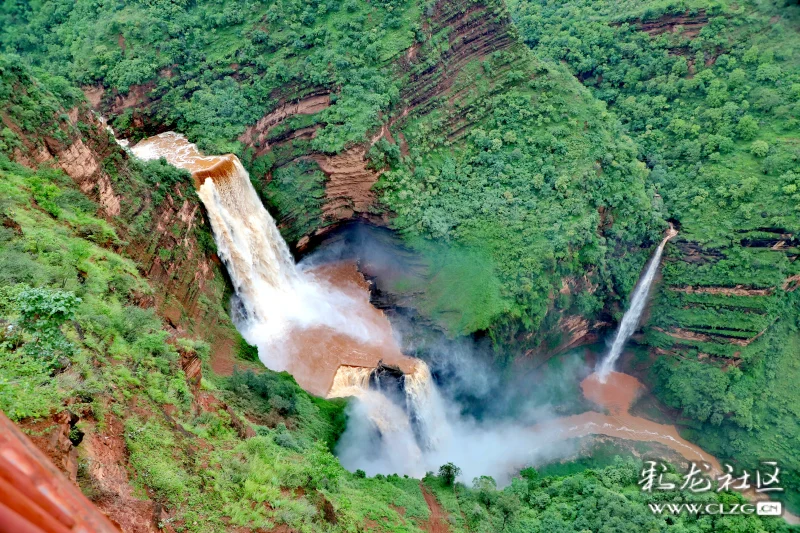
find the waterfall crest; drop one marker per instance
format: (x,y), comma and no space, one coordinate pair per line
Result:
(630,319)
(350,381)
(275,296)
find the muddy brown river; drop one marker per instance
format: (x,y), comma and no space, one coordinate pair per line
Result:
(616,396)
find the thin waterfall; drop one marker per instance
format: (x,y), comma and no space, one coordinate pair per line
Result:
(630,320)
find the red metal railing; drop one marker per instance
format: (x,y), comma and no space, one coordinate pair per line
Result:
(35,497)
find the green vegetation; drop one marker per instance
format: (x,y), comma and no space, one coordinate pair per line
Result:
(517,199)
(709,92)
(297,191)
(512,180)
(216,67)
(594,499)
(513,169)
(194,462)
(71,332)
(64,298)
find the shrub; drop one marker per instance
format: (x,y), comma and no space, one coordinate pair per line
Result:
(247,351)
(759,148)
(42,312)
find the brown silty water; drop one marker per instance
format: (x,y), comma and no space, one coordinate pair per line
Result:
(319,353)
(616,396)
(314,355)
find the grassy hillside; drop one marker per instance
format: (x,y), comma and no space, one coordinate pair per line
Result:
(709,92)
(74,340)
(502,168)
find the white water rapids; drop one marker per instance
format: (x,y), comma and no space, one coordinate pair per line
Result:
(630,320)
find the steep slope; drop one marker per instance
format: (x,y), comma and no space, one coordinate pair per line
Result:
(149,212)
(503,170)
(112,391)
(710,93)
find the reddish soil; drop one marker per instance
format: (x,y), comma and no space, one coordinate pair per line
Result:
(400,510)
(51,436)
(437,522)
(259,132)
(35,496)
(687,335)
(791,283)
(691,24)
(739,290)
(106,455)
(348,189)
(223,357)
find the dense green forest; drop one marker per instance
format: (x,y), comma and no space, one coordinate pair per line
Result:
(259,452)
(709,92)
(511,165)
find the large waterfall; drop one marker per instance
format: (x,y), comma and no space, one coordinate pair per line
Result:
(320,328)
(275,296)
(630,319)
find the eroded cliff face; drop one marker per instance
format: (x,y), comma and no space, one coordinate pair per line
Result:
(161,237)
(456,34)
(348,185)
(436,81)
(435,78)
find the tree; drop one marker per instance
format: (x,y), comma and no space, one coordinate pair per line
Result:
(759,148)
(747,128)
(448,473)
(487,490)
(507,505)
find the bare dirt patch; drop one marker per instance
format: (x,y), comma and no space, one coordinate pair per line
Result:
(437,522)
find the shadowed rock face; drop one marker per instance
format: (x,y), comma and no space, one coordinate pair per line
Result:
(389,380)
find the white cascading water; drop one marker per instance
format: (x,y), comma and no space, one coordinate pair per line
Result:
(426,406)
(274,294)
(630,320)
(350,381)
(278,299)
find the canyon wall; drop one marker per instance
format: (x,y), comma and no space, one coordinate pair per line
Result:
(162,228)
